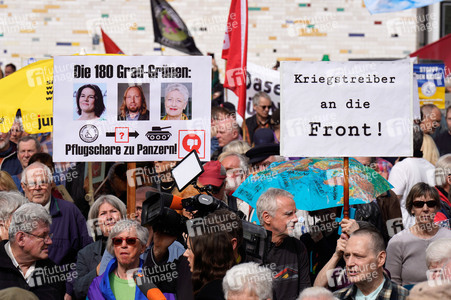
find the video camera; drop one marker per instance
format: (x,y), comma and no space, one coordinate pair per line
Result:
(159,211)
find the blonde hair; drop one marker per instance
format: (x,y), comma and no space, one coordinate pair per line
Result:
(7,182)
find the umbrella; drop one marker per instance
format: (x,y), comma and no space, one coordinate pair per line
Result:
(31,90)
(316,183)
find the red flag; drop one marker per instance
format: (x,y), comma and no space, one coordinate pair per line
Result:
(235,52)
(110,46)
(439,50)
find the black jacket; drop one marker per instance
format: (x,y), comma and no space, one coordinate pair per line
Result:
(44,283)
(87,260)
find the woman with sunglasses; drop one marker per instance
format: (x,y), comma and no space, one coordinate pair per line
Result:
(102,216)
(126,241)
(406,257)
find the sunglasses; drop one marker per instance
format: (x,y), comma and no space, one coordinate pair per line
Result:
(131,241)
(265,106)
(420,204)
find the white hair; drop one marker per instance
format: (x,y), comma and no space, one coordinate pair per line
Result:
(268,202)
(443,169)
(9,202)
(26,218)
(244,160)
(177,87)
(125,225)
(438,251)
(35,165)
(248,277)
(316,292)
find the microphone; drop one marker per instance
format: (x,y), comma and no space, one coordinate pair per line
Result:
(169,200)
(148,288)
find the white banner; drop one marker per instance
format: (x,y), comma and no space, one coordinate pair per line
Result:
(338,109)
(261,79)
(131,108)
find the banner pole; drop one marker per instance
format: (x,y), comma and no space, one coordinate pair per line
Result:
(346,188)
(131,191)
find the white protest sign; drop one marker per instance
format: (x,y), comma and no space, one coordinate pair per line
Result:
(261,79)
(131,108)
(334,109)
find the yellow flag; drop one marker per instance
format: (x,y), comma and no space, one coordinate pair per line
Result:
(29,89)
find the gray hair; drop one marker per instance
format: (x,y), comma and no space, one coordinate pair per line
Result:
(177,87)
(95,208)
(113,200)
(438,251)
(256,98)
(237,146)
(9,202)
(316,291)
(268,202)
(244,160)
(18,120)
(26,218)
(126,225)
(47,172)
(29,138)
(248,277)
(443,169)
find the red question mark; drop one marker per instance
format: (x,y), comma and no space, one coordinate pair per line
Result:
(122,135)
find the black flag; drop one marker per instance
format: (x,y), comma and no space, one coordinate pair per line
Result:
(170,30)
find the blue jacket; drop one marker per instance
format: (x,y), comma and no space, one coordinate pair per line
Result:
(70,234)
(101,289)
(11,164)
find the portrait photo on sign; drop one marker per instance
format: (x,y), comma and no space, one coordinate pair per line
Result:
(176,101)
(89,101)
(133,101)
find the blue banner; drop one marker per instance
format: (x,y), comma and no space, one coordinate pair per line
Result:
(383,6)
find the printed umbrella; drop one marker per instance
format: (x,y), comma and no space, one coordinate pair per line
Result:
(316,183)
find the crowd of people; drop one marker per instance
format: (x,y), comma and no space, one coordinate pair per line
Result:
(57,244)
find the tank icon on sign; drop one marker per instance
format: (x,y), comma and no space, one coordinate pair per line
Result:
(157,134)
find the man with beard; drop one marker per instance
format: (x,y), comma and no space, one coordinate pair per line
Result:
(6,146)
(237,167)
(287,255)
(134,106)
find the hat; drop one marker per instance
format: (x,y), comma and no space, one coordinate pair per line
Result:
(265,146)
(263,136)
(214,174)
(262,152)
(430,290)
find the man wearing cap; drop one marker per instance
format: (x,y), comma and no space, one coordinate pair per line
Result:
(262,104)
(213,179)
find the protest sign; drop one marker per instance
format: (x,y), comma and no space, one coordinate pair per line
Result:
(131,108)
(335,109)
(431,83)
(261,79)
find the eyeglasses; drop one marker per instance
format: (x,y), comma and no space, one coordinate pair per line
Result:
(265,106)
(420,204)
(34,185)
(45,238)
(131,241)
